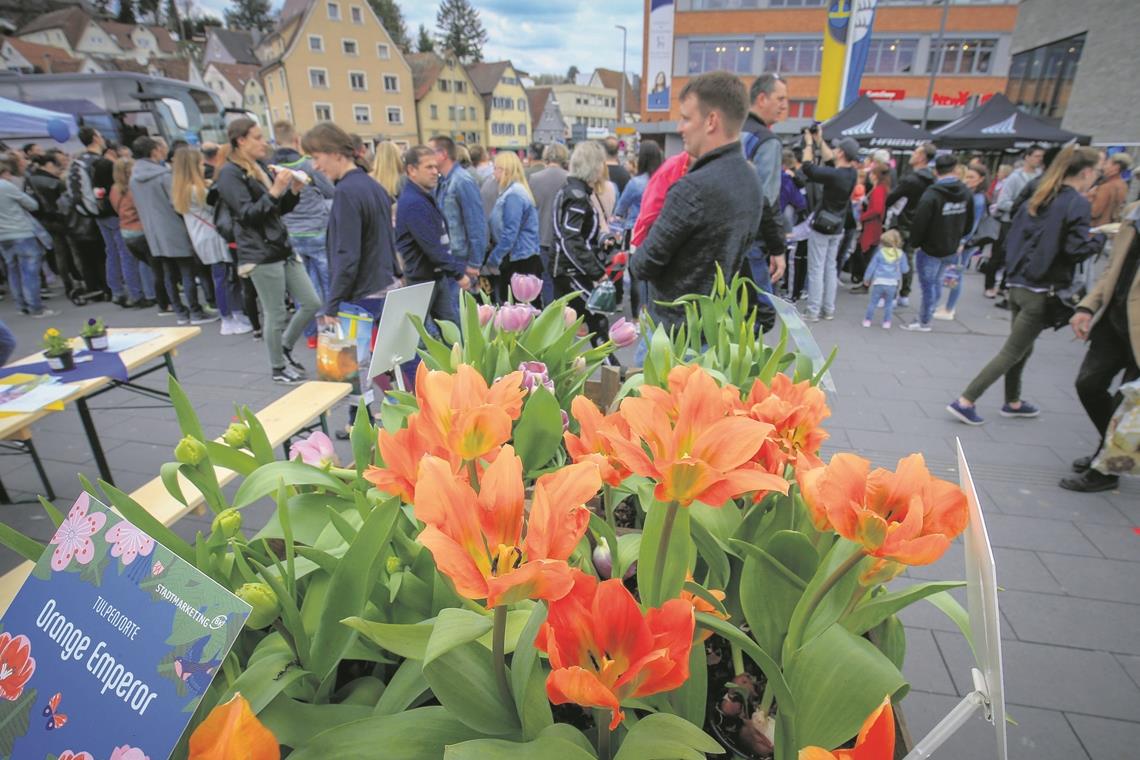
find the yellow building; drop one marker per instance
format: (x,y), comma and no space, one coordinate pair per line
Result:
(332,60)
(507,112)
(446,100)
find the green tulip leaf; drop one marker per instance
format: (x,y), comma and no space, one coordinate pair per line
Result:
(662,736)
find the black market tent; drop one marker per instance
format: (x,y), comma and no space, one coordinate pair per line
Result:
(1000,125)
(872,127)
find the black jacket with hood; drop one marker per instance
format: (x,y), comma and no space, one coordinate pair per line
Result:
(1041,251)
(258,229)
(944,213)
(910,187)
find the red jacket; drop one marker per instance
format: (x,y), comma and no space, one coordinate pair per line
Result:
(874,212)
(653,199)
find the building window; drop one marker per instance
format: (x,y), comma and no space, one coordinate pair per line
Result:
(288,113)
(334,11)
(793,56)
(963,56)
(395,115)
(362,114)
(434,111)
(269,85)
(349,47)
(357,14)
(714,55)
(801,109)
(383,51)
(357,81)
(522,130)
(460,86)
(323,111)
(522,104)
(281,74)
(319,78)
(1041,79)
(391,83)
(891,56)
(451,113)
(474,115)
(445,85)
(316,43)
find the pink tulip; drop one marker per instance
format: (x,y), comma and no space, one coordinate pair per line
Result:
(514,317)
(623,333)
(535,375)
(526,287)
(316,450)
(569,317)
(486,314)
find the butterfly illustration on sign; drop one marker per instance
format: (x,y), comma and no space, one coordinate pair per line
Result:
(55,719)
(196,675)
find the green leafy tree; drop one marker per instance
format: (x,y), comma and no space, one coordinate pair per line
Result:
(460,30)
(393,20)
(148,8)
(126,12)
(425,44)
(249,14)
(571,74)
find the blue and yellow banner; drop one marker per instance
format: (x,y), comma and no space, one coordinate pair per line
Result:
(831,75)
(858,44)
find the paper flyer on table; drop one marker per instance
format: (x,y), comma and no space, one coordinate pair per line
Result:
(24,394)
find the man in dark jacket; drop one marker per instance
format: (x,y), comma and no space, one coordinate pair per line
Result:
(421,236)
(944,212)
(911,188)
(361,249)
(45,185)
(709,216)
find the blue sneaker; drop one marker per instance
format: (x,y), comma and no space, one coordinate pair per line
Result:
(966,414)
(1025,410)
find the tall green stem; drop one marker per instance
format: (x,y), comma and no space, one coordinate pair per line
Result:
(499,653)
(473,474)
(799,622)
(602,722)
(608,503)
(662,550)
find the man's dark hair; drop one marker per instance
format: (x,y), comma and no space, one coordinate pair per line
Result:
(719,91)
(283,132)
(478,154)
(929,150)
(327,137)
(415,154)
(447,144)
(649,158)
(87,135)
(178,145)
(209,152)
(143,147)
(611,146)
(945,163)
(50,156)
(1035,147)
(765,83)
(28,147)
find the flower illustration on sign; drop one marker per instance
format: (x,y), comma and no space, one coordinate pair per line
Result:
(157,568)
(16,665)
(129,542)
(73,755)
(73,537)
(127,752)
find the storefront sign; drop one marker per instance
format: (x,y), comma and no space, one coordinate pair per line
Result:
(883,94)
(961,99)
(110,644)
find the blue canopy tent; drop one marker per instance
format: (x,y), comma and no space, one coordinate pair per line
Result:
(18,120)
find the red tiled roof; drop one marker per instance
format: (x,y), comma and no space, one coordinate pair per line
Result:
(425,70)
(237,74)
(37,54)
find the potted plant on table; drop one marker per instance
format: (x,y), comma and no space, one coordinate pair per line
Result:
(57,350)
(94,334)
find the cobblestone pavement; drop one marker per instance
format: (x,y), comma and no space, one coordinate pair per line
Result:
(1069,563)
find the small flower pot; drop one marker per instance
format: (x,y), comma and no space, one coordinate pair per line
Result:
(96,342)
(62,363)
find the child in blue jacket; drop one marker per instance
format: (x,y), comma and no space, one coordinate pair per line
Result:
(883,275)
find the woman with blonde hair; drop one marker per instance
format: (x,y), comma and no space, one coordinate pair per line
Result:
(192,199)
(514,226)
(1049,236)
(388,169)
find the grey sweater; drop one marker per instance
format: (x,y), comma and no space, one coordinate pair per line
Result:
(14,222)
(164,229)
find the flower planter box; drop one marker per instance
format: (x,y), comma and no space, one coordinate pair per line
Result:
(96,342)
(61,363)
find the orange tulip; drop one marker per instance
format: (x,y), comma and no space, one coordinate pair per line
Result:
(797,410)
(591,445)
(876,740)
(603,649)
(700,604)
(401,453)
(477,538)
(699,448)
(462,414)
(906,516)
(232,732)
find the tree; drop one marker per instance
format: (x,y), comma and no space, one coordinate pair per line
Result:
(393,20)
(148,8)
(460,31)
(572,74)
(425,44)
(126,12)
(102,7)
(249,14)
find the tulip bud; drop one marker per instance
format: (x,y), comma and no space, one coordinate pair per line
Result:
(227,522)
(190,451)
(604,563)
(486,314)
(569,317)
(264,602)
(393,564)
(526,287)
(565,421)
(514,317)
(236,435)
(623,333)
(579,364)
(535,375)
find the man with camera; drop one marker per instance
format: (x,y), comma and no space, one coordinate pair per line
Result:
(836,177)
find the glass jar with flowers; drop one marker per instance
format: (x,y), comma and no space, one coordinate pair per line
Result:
(94,334)
(58,351)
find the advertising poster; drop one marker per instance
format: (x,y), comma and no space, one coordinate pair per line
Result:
(109,646)
(659,56)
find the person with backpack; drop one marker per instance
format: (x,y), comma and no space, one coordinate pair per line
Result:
(908,191)
(81,208)
(1047,239)
(829,219)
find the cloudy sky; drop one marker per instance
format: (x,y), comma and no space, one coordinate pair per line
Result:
(539,37)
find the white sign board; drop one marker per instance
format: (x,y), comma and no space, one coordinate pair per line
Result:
(396,336)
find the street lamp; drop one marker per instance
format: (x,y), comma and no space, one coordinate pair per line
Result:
(621,90)
(941,57)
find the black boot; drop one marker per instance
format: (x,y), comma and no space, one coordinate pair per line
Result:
(1090,481)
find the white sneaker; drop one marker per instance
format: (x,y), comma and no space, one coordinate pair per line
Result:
(227,326)
(242,319)
(239,325)
(941,313)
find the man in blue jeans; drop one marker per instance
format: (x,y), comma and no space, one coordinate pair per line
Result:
(462,208)
(768,105)
(22,253)
(308,222)
(944,213)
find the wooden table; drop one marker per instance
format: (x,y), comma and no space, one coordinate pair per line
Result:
(140,361)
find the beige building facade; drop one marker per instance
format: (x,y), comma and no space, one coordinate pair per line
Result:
(505,103)
(446,100)
(593,107)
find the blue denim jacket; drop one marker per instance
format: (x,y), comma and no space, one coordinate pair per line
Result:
(466,222)
(629,204)
(514,223)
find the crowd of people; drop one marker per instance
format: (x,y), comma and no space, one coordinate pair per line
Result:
(276,240)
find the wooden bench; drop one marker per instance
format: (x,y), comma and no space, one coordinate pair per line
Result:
(282,420)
